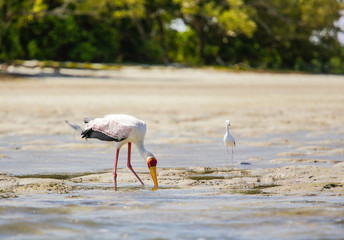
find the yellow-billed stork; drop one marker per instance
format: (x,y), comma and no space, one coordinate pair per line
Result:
(122,129)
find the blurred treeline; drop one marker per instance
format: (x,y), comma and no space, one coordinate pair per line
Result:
(264,34)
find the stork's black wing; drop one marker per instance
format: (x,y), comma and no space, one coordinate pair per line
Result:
(90,133)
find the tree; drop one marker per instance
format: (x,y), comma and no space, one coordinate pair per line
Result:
(216,20)
(141,24)
(54,30)
(295,33)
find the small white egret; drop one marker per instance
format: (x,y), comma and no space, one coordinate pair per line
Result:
(228,141)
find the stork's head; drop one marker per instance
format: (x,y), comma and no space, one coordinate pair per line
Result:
(152,162)
(228,123)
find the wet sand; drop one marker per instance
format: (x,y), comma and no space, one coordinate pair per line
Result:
(188,106)
(293,180)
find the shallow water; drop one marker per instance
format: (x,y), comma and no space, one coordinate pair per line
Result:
(24,155)
(169,213)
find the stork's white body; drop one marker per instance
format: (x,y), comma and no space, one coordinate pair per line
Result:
(121,126)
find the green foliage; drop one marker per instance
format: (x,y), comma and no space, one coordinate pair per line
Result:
(63,39)
(212,20)
(264,34)
(184,47)
(301,34)
(337,65)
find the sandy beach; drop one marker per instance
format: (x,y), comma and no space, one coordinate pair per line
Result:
(182,106)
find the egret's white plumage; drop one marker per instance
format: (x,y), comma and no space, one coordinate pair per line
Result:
(122,129)
(229,140)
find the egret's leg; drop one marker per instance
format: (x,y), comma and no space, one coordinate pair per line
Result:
(129,164)
(115,170)
(232,156)
(227,157)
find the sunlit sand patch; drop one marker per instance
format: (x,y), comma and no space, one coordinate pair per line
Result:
(324,151)
(78,145)
(328,142)
(7,185)
(337,151)
(100,178)
(183,140)
(40,142)
(256,159)
(83,145)
(43,185)
(301,160)
(271,142)
(313,151)
(314,148)
(339,165)
(306,179)
(260,144)
(290,154)
(322,133)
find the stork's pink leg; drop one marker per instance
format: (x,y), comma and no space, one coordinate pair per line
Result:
(115,170)
(129,164)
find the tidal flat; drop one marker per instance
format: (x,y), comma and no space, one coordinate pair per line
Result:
(286,180)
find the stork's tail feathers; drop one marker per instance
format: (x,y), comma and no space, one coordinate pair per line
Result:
(74,126)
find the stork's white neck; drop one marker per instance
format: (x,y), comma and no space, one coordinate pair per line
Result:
(143,152)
